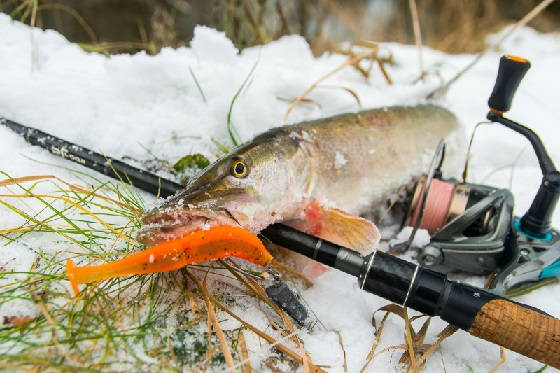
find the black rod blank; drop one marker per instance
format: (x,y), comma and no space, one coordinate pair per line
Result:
(390,277)
(106,165)
(516,326)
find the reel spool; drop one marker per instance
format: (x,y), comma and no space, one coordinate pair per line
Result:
(444,201)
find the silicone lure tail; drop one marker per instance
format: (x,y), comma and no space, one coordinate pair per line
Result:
(196,247)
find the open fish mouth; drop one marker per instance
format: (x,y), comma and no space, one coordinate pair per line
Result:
(163,225)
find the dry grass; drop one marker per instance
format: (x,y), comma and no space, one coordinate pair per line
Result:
(456,26)
(354,60)
(416,351)
(160,322)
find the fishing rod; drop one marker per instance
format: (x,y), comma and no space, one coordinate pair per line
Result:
(489,316)
(515,326)
(95,161)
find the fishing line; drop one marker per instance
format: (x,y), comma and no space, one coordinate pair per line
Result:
(438,200)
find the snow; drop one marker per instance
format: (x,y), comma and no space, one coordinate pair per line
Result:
(124,104)
(421,238)
(339,160)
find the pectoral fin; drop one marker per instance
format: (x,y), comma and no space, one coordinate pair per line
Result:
(336,226)
(351,231)
(339,227)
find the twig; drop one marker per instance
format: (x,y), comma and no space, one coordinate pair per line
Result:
(468,157)
(32,32)
(381,65)
(417,34)
(214,320)
(261,294)
(502,360)
(377,336)
(281,347)
(445,333)
(285,29)
(528,18)
(341,343)
(245,366)
(409,342)
(253,20)
(349,62)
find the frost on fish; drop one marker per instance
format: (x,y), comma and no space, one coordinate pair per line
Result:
(339,160)
(318,176)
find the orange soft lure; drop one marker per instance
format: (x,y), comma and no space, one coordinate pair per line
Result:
(199,246)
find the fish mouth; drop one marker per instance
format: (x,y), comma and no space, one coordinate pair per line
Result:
(171,223)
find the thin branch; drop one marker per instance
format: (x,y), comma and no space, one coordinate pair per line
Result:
(502,360)
(216,325)
(349,62)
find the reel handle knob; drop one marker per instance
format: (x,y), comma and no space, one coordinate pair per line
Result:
(510,73)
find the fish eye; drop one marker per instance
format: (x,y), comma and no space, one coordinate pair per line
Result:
(239,169)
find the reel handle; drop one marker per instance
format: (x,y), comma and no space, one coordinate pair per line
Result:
(536,221)
(510,73)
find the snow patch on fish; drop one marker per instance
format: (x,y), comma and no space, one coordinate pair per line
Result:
(339,160)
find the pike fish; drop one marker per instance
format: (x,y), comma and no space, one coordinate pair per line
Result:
(317,176)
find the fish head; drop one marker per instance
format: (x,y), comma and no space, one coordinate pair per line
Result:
(249,187)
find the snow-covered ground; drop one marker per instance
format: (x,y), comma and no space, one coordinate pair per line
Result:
(123,104)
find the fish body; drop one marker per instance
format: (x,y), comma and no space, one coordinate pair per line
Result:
(317,176)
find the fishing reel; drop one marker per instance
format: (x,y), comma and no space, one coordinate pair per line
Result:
(472,227)
(468,224)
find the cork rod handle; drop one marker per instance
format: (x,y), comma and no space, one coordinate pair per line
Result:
(521,329)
